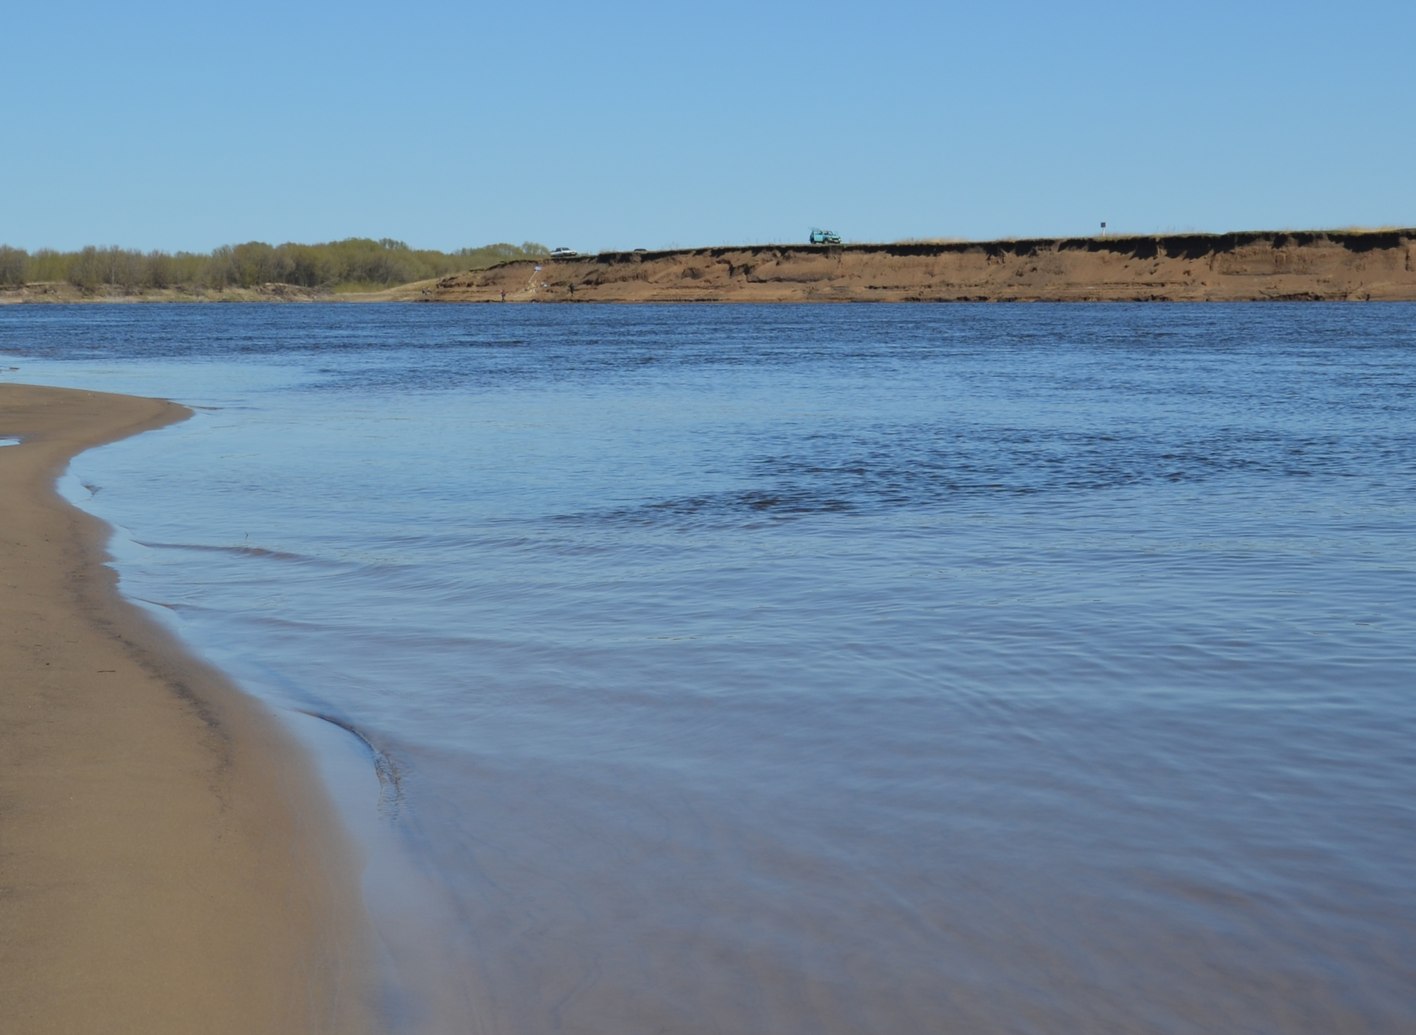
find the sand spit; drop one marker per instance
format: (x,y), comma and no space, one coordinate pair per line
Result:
(1251,266)
(166,865)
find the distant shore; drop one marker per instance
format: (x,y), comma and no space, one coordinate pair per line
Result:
(1249,266)
(168,864)
(1235,267)
(60,293)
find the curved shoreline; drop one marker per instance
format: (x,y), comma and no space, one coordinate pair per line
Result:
(168,862)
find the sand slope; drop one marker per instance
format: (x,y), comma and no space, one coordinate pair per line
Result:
(1318,265)
(164,862)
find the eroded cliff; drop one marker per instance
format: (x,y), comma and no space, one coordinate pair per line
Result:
(1309,265)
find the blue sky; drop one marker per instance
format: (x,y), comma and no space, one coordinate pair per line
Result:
(614,125)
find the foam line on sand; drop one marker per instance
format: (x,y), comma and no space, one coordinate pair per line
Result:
(167,860)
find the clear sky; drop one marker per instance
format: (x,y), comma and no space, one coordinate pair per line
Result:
(607,124)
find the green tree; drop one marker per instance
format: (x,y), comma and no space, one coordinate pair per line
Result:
(14,266)
(219,271)
(47,266)
(161,270)
(86,269)
(253,263)
(308,265)
(352,261)
(123,268)
(189,269)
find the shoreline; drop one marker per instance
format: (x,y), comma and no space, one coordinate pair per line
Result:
(1342,265)
(169,861)
(51,293)
(1257,266)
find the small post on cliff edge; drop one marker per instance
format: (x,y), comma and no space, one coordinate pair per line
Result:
(1103,228)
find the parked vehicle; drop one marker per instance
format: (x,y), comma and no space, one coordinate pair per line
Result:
(564,253)
(824,236)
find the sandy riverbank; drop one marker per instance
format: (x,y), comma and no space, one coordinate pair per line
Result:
(1320,265)
(166,861)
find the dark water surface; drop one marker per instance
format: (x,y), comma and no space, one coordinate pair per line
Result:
(814,670)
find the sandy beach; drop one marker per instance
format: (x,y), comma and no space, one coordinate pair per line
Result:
(167,863)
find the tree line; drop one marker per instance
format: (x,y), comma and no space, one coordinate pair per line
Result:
(357,262)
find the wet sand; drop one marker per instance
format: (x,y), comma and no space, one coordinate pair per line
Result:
(167,862)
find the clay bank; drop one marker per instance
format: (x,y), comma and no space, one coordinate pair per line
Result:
(1355,265)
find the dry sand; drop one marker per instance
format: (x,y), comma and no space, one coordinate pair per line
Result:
(166,862)
(1251,266)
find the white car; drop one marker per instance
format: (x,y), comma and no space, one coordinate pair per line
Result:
(564,253)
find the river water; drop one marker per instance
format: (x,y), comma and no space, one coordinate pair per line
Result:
(890,669)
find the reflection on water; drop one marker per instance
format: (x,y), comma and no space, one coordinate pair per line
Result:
(888,669)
